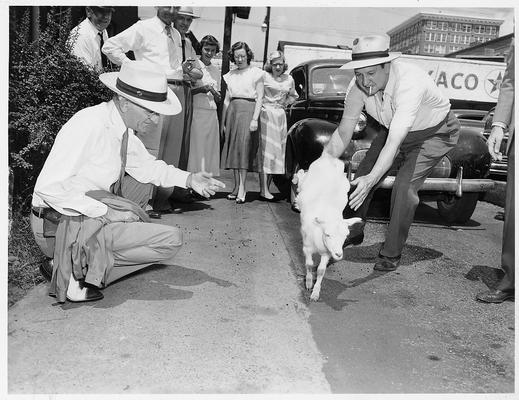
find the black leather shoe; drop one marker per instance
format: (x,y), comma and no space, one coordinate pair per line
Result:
(153,214)
(46,268)
(386,263)
(181,195)
(91,294)
(495,296)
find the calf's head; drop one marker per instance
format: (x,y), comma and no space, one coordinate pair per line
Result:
(335,233)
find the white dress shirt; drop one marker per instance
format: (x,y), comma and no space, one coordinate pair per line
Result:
(410,101)
(86,156)
(149,41)
(86,43)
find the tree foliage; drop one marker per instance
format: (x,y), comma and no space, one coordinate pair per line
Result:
(47,85)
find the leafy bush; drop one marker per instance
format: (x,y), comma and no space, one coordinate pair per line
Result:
(47,85)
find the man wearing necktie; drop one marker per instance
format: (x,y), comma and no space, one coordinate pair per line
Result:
(103,234)
(87,38)
(157,41)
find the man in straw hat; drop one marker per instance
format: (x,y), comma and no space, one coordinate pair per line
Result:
(421,130)
(102,236)
(157,41)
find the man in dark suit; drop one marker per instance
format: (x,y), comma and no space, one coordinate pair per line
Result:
(504,120)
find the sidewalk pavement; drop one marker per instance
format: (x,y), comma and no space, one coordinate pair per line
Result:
(226,318)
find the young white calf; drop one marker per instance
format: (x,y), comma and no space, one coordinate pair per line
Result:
(322,197)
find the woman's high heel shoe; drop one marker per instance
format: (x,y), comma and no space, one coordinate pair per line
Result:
(241,200)
(231,196)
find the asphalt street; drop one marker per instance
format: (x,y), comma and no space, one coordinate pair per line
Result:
(232,315)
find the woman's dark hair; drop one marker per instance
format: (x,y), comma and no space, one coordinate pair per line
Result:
(238,46)
(209,40)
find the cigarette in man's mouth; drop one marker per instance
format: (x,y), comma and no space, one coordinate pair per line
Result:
(370,90)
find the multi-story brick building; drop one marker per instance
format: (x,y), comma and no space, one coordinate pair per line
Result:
(438,34)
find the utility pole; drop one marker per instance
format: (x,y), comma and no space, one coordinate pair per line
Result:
(266,25)
(227,30)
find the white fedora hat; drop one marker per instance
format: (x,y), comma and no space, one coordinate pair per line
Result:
(145,84)
(187,11)
(370,50)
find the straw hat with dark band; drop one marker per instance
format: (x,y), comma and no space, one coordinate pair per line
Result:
(145,84)
(370,50)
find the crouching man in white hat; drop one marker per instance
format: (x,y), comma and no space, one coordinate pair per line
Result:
(88,184)
(421,130)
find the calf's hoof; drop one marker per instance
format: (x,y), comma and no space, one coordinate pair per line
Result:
(309,282)
(314,296)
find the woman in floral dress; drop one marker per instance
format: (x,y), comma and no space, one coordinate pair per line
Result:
(279,91)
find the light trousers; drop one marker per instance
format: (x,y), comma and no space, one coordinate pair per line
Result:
(135,245)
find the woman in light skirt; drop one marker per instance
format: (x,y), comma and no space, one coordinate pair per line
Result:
(279,91)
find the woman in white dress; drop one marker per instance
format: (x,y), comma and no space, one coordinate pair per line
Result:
(242,107)
(204,153)
(279,91)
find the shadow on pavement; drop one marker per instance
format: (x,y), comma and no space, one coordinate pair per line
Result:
(368,254)
(156,282)
(488,275)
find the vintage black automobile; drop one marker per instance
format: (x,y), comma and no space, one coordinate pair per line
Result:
(456,183)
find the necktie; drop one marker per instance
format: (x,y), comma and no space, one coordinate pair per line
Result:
(183,50)
(117,186)
(104,60)
(171,48)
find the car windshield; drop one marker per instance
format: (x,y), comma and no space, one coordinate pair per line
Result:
(330,81)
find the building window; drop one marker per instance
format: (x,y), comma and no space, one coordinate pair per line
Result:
(431,24)
(457,27)
(466,28)
(429,36)
(479,29)
(444,26)
(428,48)
(439,49)
(452,38)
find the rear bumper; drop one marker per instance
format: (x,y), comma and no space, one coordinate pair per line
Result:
(448,184)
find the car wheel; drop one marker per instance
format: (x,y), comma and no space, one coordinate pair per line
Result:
(458,209)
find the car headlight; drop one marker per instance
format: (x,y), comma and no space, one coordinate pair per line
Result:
(361,123)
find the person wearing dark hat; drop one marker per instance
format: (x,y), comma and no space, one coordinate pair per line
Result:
(156,40)
(87,38)
(88,184)
(421,129)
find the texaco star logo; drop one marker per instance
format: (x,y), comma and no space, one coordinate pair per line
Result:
(493,83)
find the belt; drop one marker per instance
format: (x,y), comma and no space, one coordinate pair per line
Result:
(177,82)
(39,211)
(242,98)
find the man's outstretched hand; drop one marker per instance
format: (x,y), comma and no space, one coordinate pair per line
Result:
(203,183)
(363,186)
